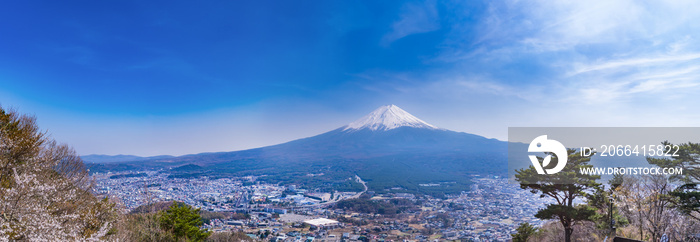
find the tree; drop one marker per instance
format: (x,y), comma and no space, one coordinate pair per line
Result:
(688,158)
(45,191)
(600,200)
(564,187)
(525,230)
(687,200)
(183,222)
(646,200)
(687,196)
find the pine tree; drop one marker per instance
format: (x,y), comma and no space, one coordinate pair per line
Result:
(564,187)
(183,222)
(687,196)
(525,230)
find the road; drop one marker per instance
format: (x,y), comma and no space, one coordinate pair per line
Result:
(335,201)
(363,184)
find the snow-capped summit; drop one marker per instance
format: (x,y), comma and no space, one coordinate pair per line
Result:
(386,118)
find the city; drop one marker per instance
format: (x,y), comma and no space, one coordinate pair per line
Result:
(489,211)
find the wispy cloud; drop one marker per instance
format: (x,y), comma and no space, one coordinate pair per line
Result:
(630,63)
(597,51)
(414,18)
(634,62)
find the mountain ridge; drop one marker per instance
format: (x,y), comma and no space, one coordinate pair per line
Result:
(394,154)
(98,158)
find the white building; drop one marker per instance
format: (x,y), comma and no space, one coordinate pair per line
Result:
(323,223)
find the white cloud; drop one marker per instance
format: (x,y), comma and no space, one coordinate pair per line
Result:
(601,51)
(634,62)
(414,18)
(565,24)
(562,25)
(561,63)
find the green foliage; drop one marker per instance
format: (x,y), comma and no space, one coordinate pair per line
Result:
(564,187)
(405,171)
(563,212)
(600,201)
(21,142)
(354,221)
(687,159)
(240,216)
(157,222)
(207,216)
(685,198)
(365,205)
(616,181)
(525,230)
(408,172)
(183,222)
(152,207)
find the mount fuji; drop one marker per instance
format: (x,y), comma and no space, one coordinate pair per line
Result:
(389,148)
(386,118)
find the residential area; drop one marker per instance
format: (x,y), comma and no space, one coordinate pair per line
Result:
(489,211)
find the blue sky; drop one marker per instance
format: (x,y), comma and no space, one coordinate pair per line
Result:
(150,78)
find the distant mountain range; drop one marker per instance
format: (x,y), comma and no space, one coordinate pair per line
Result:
(389,148)
(120,158)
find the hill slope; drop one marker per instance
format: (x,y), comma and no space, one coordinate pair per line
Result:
(389,148)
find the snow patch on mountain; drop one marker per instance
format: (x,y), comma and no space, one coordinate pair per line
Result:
(386,118)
